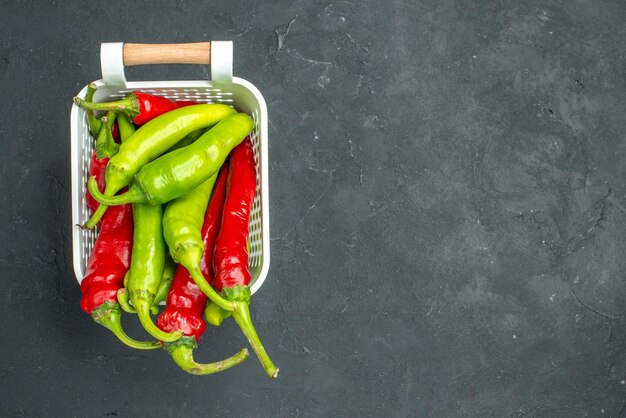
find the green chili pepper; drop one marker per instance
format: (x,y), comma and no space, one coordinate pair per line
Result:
(94,123)
(214,315)
(184,358)
(146,267)
(182,224)
(152,140)
(180,171)
(126,127)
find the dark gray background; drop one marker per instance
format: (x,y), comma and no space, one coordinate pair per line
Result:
(447,210)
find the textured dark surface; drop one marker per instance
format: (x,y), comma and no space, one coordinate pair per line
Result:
(447,210)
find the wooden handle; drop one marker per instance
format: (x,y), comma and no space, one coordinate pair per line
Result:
(189,53)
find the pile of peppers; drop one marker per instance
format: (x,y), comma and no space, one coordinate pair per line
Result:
(170,190)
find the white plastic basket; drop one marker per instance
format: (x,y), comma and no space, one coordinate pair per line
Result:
(223,88)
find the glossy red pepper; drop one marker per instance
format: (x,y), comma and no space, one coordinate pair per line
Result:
(109,259)
(150,106)
(231,251)
(230,259)
(185,301)
(140,107)
(97,168)
(183,103)
(104,275)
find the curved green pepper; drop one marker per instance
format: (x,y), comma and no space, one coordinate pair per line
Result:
(146,267)
(182,225)
(152,140)
(182,222)
(184,358)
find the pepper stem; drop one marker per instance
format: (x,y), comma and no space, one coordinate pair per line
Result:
(129,105)
(133,195)
(143,312)
(206,288)
(242,317)
(105,144)
(94,123)
(122,299)
(95,218)
(109,315)
(182,354)
(113,185)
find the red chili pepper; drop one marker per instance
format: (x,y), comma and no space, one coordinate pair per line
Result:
(97,168)
(110,258)
(115,131)
(140,107)
(230,259)
(183,103)
(150,106)
(231,250)
(185,301)
(104,275)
